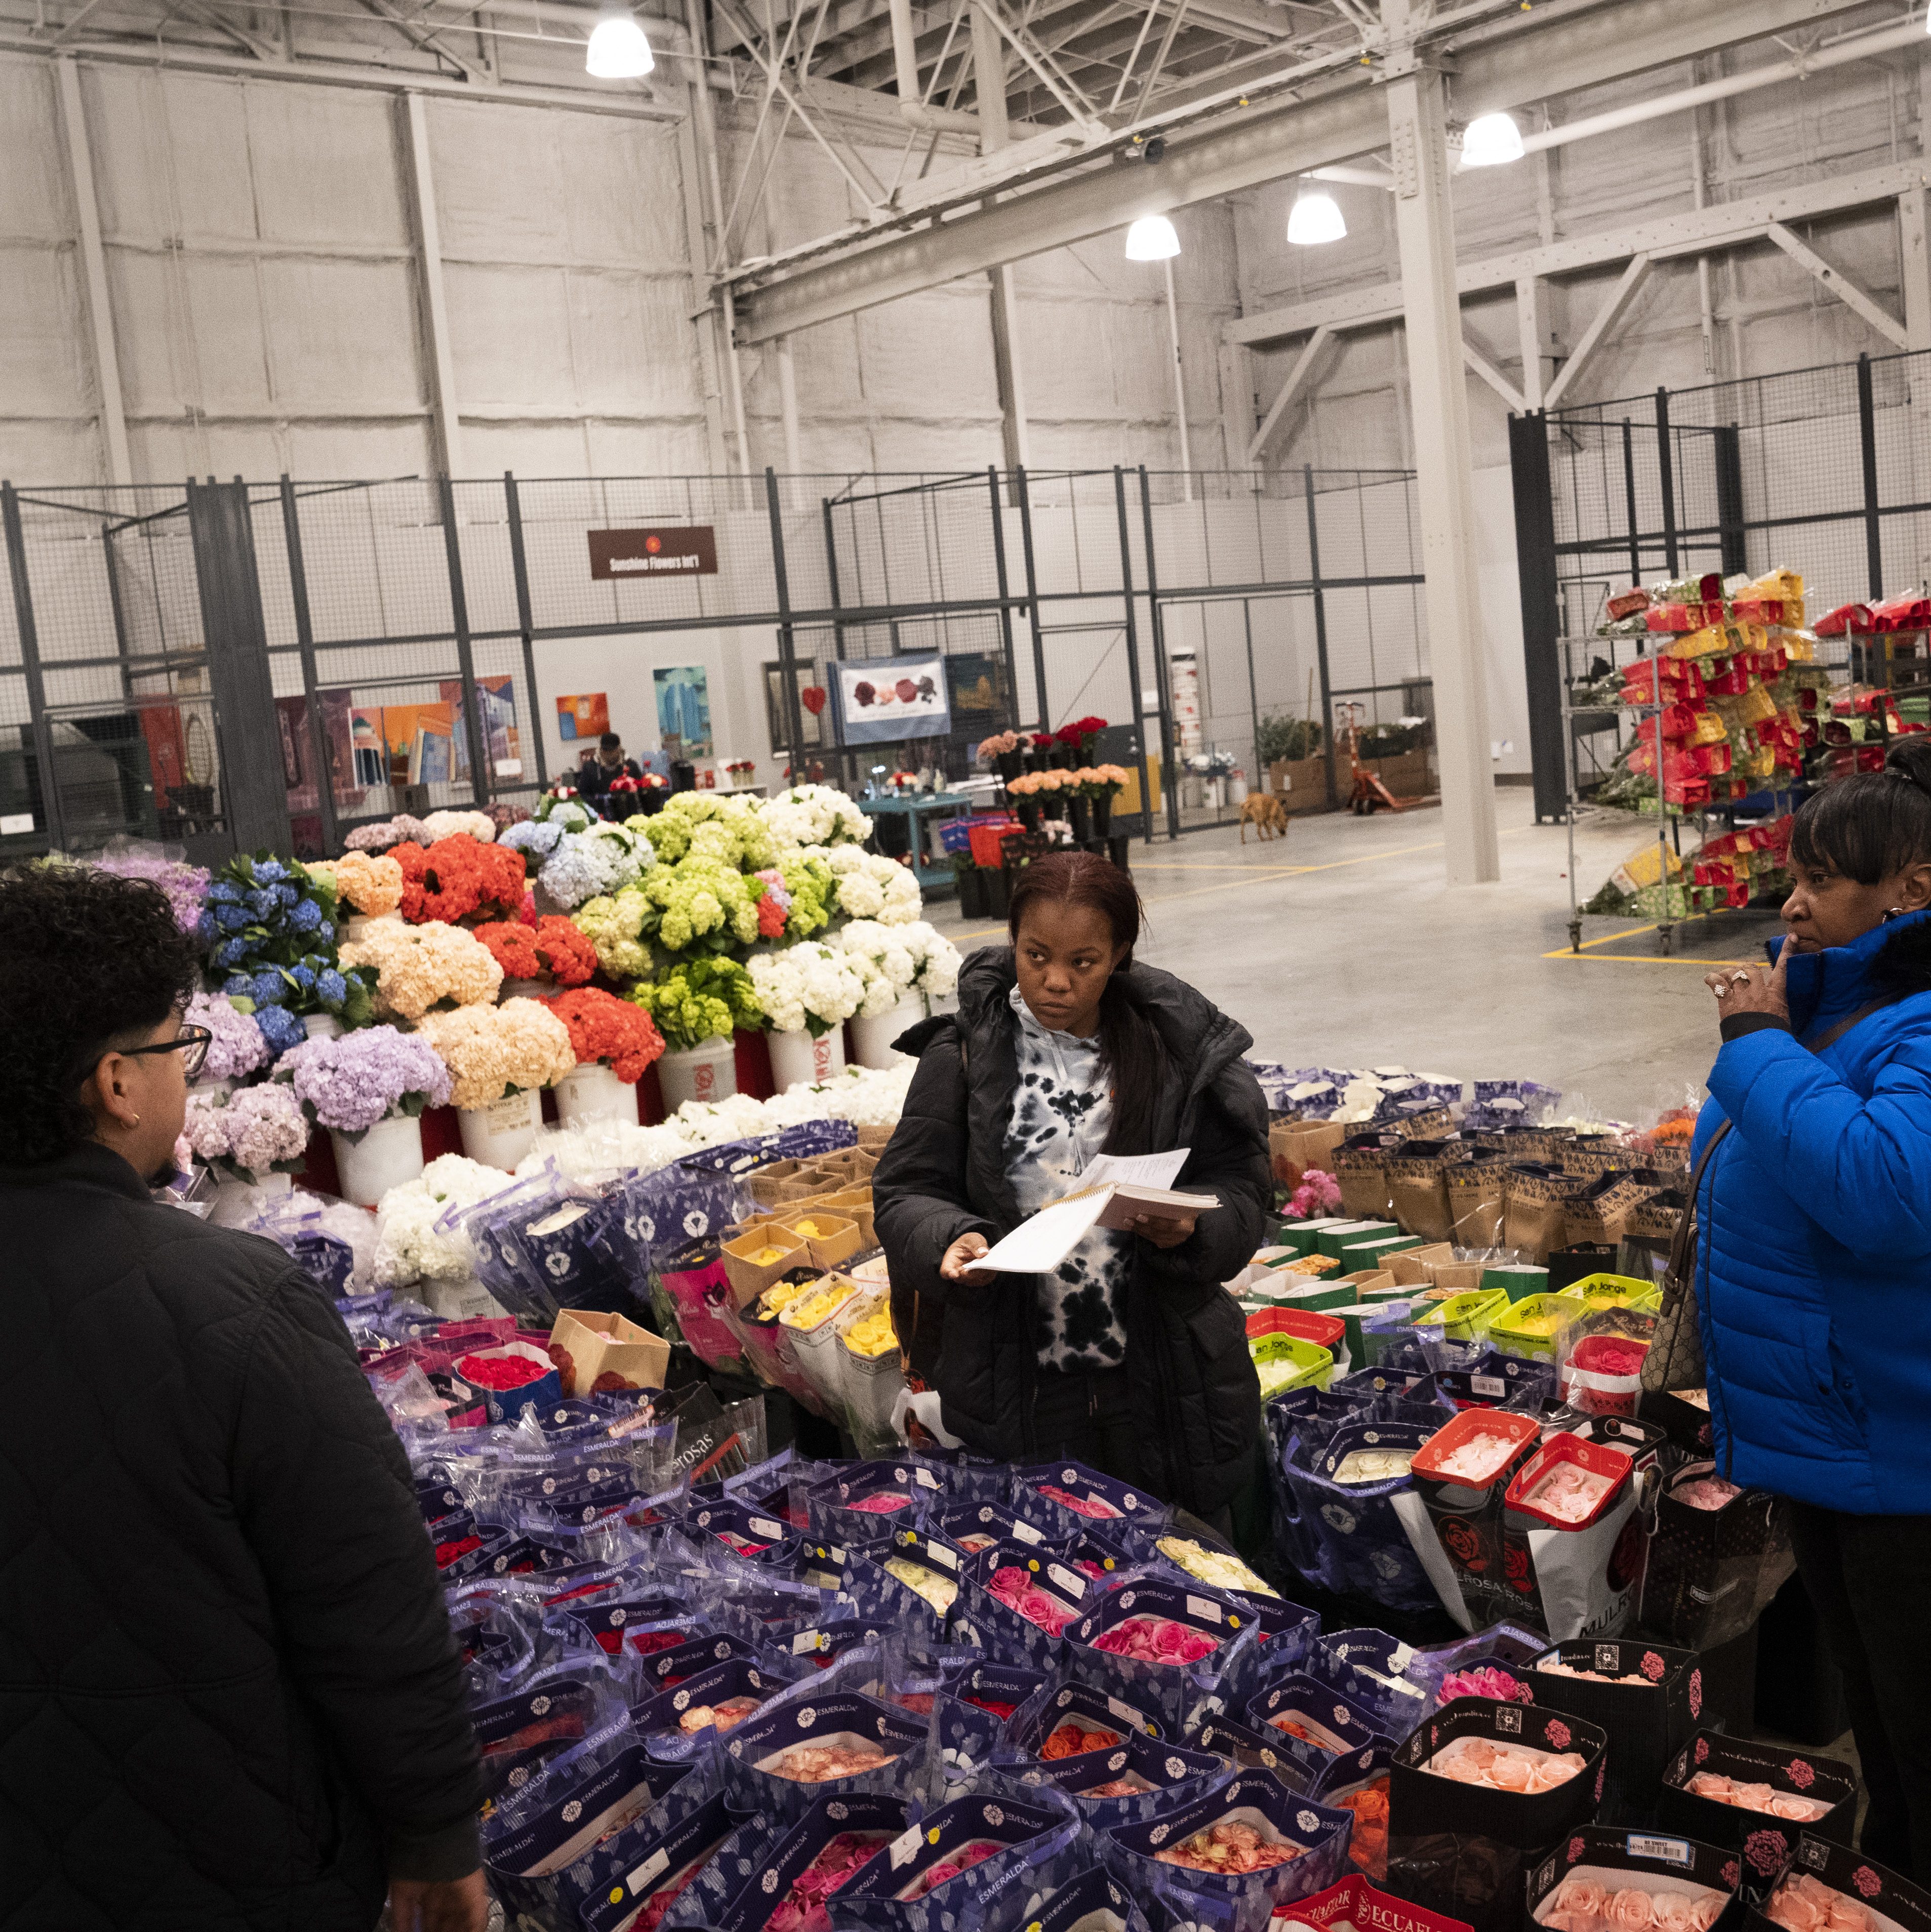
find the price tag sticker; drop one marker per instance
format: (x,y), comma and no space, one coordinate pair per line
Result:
(937,1552)
(1024,1532)
(1203,1608)
(1069,1581)
(763,1525)
(649,1872)
(905,1846)
(1665,1851)
(806,1642)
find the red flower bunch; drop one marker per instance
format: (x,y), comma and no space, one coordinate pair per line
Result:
(604,1027)
(458,877)
(1078,731)
(623,787)
(554,950)
(1042,741)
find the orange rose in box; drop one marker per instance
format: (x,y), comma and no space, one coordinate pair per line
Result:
(615,1042)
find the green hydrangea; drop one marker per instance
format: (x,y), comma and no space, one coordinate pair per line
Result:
(698,1000)
(813,886)
(616,925)
(701,903)
(713,825)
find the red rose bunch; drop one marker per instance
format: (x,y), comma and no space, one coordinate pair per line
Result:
(554,949)
(604,1027)
(457,878)
(1081,729)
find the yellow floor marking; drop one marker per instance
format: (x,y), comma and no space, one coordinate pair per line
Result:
(1638,959)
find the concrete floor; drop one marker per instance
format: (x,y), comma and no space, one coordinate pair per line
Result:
(1343,947)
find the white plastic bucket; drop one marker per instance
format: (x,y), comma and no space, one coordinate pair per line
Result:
(706,1072)
(321,1026)
(871,1039)
(237,1202)
(502,1133)
(797,1060)
(388,1154)
(595,1092)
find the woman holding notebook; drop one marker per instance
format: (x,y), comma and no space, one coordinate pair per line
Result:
(1129,1355)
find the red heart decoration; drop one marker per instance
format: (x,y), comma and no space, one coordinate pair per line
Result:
(813,698)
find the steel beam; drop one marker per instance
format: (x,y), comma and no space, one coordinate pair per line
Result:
(1481,366)
(94,274)
(435,301)
(1726,225)
(1840,285)
(1552,50)
(1915,261)
(1298,380)
(1444,460)
(1605,318)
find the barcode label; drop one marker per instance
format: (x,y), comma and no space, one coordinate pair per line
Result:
(1665,1851)
(1488,1385)
(763,1525)
(805,1642)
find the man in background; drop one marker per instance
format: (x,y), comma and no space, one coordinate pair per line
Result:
(595,776)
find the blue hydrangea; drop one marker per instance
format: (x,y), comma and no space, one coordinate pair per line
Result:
(280,1029)
(231,952)
(307,916)
(230,918)
(269,871)
(325,934)
(204,927)
(262,902)
(531,835)
(285,896)
(330,988)
(267,989)
(222,893)
(304,977)
(238,986)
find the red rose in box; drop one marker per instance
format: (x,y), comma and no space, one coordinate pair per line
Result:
(512,1377)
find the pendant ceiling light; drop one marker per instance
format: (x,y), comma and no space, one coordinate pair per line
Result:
(618,50)
(1152,238)
(1315,218)
(1491,140)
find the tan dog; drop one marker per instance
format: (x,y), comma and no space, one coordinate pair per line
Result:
(1265,813)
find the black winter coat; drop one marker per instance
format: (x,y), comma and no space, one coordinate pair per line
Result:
(229,1699)
(943,1175)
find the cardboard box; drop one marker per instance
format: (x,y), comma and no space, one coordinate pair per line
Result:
(1651,1721)
(1406,775)
(1301,783)
(598,1344)
(1768,1842)
(1413,1267)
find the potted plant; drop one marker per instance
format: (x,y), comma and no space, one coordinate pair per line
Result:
(499,1057)
(615,1041)
(741,772)
(369,1089)
(887,961)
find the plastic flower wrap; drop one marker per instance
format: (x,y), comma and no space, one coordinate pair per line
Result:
(552,949)
(535,839)
(185,885)
(351,1083)
(456,878)
(270,930)
(715,824)
(371,884)
(386,832)
(594,863)
(698,1000)
(812,814)
(872,887)
(258,1130)
(882,959)
(408,1248)
(237,1047)
(807,988)
(614,927)
(617,1033)
(477,825)
(490,1050)
(699,904)
(419,967)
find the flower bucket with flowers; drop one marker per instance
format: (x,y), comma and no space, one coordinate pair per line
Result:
(698,1005)
(498,1058)
(270,929)
(741,771)
(1002,752)
(537,960)
(561,805)
(806,993)
(186,886)
(254,1140)
(457,878)
(419,968)
(368,887)
(385,833)
(369,1089)
(1074,740)
(237,1047)
(615,1041)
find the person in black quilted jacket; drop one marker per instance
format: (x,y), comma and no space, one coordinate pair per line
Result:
(1130,1357)
(230,1697)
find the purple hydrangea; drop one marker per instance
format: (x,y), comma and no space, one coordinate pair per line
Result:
(255,1131)
(186,886)
(237,1047)
(351,1083)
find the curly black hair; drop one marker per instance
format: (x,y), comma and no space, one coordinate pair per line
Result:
(87,960)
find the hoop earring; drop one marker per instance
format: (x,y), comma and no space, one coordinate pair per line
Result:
(1893,912)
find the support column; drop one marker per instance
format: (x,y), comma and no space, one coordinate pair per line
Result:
(1180,385)
(988,73)
(435,303)
(787,405)
(93,273)
(1915,262)
(1444,457)
(704,153)
(1537,338)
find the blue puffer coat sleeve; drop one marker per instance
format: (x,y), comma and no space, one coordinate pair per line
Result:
(1814,1262)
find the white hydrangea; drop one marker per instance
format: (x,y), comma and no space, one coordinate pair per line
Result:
(883,960)
(813,815)
(479,825)
(807,982)
(872,887)
(937,959)
(408,1248)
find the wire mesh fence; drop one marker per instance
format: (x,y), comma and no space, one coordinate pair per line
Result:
(433,643)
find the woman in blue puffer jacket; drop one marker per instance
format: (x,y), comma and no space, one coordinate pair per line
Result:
(1814,1266)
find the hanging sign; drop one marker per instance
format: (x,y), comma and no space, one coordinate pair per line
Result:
(684,549)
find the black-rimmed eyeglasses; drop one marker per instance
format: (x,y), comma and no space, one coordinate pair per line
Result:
(192,1042)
